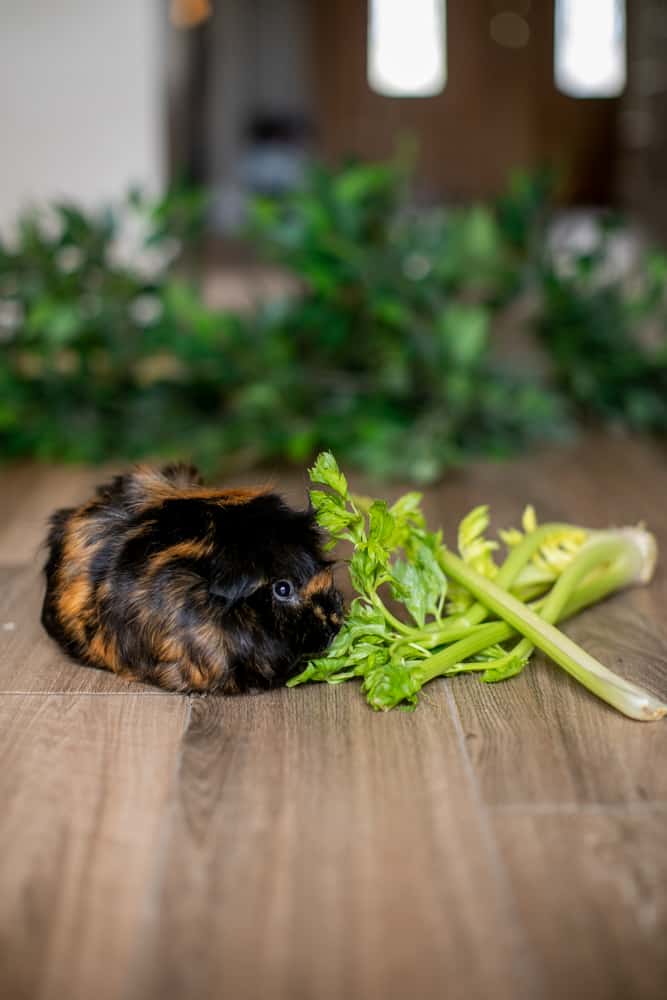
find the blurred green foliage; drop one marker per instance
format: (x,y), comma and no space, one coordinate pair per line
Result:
(384,357)
(100,355)
(389,345)
(607,335)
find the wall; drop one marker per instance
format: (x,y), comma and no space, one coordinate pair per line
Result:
(499,110)
(643,122)
(257,54)
(81,101)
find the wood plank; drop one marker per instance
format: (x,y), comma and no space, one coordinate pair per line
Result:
(84,786)
(321,851)
(592,892)
(310,849)
(541,737)
(541,741)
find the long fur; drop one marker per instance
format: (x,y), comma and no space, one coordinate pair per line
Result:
(163,580)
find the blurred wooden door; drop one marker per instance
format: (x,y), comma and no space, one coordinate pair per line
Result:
(499,110)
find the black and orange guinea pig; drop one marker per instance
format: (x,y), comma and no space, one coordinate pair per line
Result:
(163,580)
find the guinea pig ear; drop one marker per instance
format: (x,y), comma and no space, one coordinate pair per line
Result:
(232,589)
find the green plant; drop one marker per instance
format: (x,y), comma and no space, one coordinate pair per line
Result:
(385,356)
(608,341)
(448,602)
(107,351)
(104,353)
(390,359)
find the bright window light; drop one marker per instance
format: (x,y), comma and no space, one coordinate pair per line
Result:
(407,52)
(590,59)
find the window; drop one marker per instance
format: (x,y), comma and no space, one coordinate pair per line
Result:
(407,53)
(590,58)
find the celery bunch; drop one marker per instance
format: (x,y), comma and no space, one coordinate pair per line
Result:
(467,613)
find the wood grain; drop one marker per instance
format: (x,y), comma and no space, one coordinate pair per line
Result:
(85,784)
(504,840)
(591,890)
(319,851)
(572,747)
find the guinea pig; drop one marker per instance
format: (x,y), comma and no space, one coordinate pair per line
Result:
(163,580)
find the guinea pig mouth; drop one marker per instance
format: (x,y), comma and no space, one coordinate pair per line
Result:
(315,644)
(317,647)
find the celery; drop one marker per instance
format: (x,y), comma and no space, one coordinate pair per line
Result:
(633,549)
(552,571)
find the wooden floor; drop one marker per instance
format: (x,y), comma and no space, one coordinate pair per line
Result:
(504,841)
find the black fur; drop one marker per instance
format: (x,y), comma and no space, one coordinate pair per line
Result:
(162,580)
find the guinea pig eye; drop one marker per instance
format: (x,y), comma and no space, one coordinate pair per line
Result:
(283,589)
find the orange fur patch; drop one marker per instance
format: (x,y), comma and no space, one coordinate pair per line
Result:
(72,602)
(169,650)
(321,581)
(184,675)
(182,550)
(103,649)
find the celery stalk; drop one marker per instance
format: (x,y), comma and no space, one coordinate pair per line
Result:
(632,551)
(581,595)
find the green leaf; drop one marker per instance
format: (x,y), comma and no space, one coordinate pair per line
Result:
(382,526)
(464,331)
(332,514)
(388,685)
(409,587)
(480,233)
(368,567)
(407,508)
(422,585)
(326,471)
(475,549)
(58,322)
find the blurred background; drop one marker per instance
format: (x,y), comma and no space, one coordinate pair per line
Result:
(413,232)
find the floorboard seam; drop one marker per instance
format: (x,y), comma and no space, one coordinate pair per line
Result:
(529,977)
